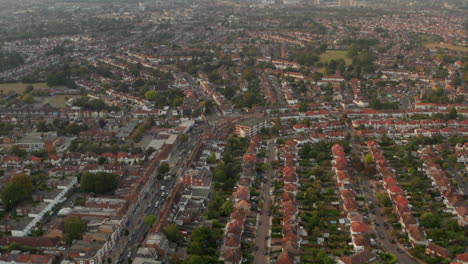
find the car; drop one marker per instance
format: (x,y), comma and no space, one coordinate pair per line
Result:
(400,250)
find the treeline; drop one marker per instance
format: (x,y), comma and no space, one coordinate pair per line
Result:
(83,146)
(99,183)
(308,55)
(93,104)
(10,60)
(63,127)
(142,128)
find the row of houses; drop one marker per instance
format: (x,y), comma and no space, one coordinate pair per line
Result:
(358,229)
(401,205)
(289,207)
(231,252)
(371,113)
(12,161)
(461,151)
(454,200)
(397,124)
(406,134)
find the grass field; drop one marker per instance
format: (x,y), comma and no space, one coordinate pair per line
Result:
(19,87)
(334,55)
(57,100)
(446,46)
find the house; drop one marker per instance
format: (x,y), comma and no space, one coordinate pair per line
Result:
(15,257)
(461,258)
(358,258)
(435,250)
(285,258)
(232,256)
(416,236)
(250,127)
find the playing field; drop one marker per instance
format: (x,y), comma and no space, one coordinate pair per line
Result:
(57,100)
(446,46)
(334,55)
(19,87)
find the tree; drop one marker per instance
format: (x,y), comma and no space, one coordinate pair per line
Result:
(11,195)
(452,114)
(42,127)
(212,158)
(172,232)
(383,198)
(73,228)
(73,129)
(303,107)
(17,151)
(226,208)
(164,168)
(151,96)
(101,160)
(100,182)
(430,220)
(150,219)
(28,98)
(24,181)
(183,138)
(368,158)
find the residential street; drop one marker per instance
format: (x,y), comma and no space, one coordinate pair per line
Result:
(383,235)
(263,230)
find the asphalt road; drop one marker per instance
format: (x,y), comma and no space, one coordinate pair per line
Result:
(384,235)
(263,229)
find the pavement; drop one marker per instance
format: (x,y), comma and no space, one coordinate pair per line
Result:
(262,237)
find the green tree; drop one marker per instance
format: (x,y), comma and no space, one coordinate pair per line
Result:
(24,181)
(226,208)
(183,138)
(150,220)
(430,220)
(17,151)
(164,168)
(368,158)
(212,158)
(303,107)
(28,98)
(73,228)
(102,160)
(172,232)
(151,96)
(42,127)
(100,182)
(453,114)
(73,129)
(383,198)
(11,195)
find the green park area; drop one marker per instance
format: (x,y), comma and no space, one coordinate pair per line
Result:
(20,87)
(335,55)
(446,46)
